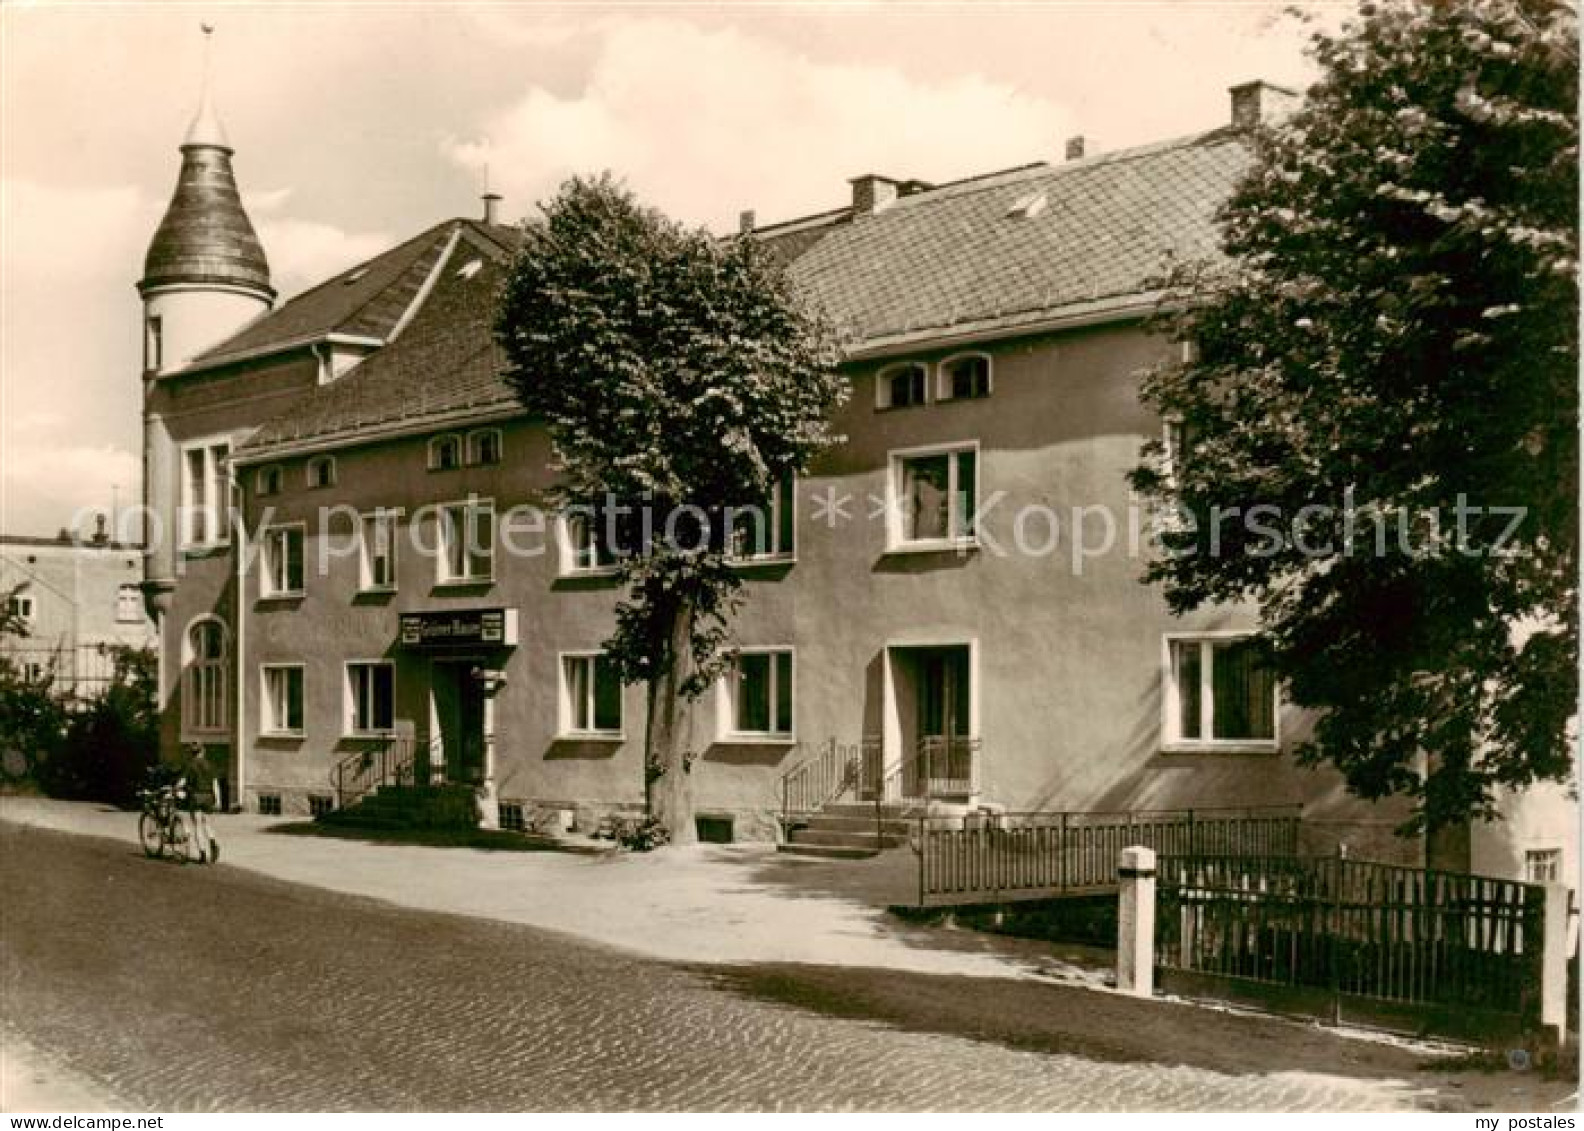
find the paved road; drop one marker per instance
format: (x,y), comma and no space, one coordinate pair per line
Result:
(188,988)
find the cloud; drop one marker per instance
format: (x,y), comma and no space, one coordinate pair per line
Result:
(706,122)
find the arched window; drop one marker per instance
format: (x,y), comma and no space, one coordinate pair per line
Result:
(445,453)
(204,701)
(322,471)
(900,386)
(964,377)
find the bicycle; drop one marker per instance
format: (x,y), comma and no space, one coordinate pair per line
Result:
(162,824)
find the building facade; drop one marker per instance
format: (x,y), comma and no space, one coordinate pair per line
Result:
(957,584)
(72,601)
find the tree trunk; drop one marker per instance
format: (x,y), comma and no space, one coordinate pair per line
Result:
(668,754)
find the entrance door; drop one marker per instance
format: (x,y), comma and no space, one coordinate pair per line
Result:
(458,697)
(935,721)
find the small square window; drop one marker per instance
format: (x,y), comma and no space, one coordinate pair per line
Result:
(511,816)
(320,804)
(269,805)
(129,605)
(1543,865)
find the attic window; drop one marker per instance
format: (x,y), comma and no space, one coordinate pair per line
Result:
(470,268)
(1027,207)
(355,276)
(899,386)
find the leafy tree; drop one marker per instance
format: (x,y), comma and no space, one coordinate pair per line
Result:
(680,377)
(112,740)
(32,722)
(1394,336)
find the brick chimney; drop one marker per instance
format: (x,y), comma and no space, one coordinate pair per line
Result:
(1075,147)
(492,207)
(746,220)
(872,193)
(1260,103)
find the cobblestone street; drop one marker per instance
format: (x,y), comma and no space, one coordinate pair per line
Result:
(187,988)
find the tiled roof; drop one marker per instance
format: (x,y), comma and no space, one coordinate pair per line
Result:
(205,236)
(367,301)
(965,258)
(958,256)
(444,361)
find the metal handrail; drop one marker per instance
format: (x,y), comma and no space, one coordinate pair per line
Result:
(391,762)
(819,780)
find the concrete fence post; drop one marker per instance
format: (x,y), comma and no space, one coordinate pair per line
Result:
(1136,921)
(1554,960)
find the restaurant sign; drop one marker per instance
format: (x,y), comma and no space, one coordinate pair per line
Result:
(460,628)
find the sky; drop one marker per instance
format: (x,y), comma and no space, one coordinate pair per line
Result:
(358,125)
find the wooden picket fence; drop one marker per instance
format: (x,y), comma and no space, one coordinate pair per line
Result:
(1352,940)
(1006,857)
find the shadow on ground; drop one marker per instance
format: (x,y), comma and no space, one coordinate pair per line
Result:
(492,840)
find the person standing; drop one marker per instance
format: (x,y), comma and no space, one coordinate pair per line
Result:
(203,794)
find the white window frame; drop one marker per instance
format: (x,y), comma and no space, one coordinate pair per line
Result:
(943,387)
(896,461)
(883,377)
(220,670)
(366,581)
(572,551)
(567,721)
(776,552)
(469,507)
(268,480)
(129,604)
(316,462)
(435,443)
(269,723)
(23,606)
(474,438)
(217,506)
(1552,851)
(1172,740)
(271,565)
(727,709)
(154,343)
(351,693)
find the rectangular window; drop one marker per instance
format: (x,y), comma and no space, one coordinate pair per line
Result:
(283,562)
(1218,693)
(1543,865)
(467,542)
(269,804)
(760,686)
(283,699)
(129,605)
(371,697)
(586,540)
(19,606)
(206,495)
(766,532)
(322,471)
(154,343)
(934,497)
(268,480)
(377,552)
(591,695)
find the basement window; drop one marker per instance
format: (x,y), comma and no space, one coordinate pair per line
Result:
(319,804)
(269,804)
(511,816)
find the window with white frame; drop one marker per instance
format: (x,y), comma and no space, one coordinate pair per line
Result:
(586,540)
(283,698)
(467,542)
(153,342)
(204,704)
(591,695)
(445,453)
(371,697)
(484,446)
(966,377)
(21,607)
(206,494)
(934,497)
(1219,693)
(901,386)
(1543,865)
(766,531)
(283,562)
(33,671)
(759,694)
(322,471)
(129,604)
(267,480)
(377,552)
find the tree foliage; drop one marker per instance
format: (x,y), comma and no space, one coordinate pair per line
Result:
(679,375)
(1392,343)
